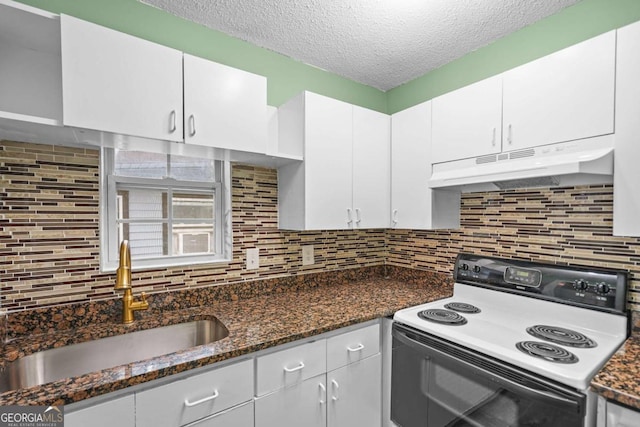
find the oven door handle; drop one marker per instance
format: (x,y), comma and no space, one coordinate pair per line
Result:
(574,401)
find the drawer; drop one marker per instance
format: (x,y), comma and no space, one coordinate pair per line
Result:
(118,412)
(238,416)
(192,398)
(352,346)
(286,367)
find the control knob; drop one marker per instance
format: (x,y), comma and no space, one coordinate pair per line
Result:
(603,288)
(580,285)
(476,269)
(464,267)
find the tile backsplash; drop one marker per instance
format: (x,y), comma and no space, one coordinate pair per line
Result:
(571,225)
(49,241)
(49,244)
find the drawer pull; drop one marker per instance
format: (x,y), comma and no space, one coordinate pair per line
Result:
(356,348)
(297,368)
(198,402)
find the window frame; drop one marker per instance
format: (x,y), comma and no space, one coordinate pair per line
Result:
(109,230)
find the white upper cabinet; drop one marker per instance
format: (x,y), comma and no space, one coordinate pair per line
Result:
(327,153)
(371,168)
(343,182)
(626,197)
(121,84)
(224,107)
(413,204)
(565,96)
(467,122)
(118,83)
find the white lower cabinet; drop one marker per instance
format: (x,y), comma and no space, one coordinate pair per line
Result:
(117,412)
(349,395)
(614,415)
(302,404)
(355,393)
(193,398)
(332,380)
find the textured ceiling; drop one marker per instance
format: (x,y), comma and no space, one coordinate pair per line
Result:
(381,43)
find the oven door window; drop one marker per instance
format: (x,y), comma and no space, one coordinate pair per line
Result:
(432,388)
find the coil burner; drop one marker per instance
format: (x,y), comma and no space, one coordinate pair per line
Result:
(446,317)
(561,336)
(549,352)
(462,307)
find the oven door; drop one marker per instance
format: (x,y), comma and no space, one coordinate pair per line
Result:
(435,383)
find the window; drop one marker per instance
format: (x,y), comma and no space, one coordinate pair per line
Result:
(171,209)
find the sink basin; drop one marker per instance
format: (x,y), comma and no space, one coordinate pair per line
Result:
(90,356)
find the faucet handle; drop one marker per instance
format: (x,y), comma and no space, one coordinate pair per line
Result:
(143,296)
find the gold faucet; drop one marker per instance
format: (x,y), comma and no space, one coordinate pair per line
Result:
(123,281)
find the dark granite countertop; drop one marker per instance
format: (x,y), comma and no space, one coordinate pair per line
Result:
(619,379)
(254,323)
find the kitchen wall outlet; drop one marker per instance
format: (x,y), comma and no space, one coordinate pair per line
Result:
(253,258)
(307,255)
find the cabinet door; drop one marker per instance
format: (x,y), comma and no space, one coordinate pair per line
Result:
(328,163)
(303,404)
(354,394)
(118,412)
(413,204)
(467,122)
(224,107)
(626,197)
(371,168)
(411,167)
(565,96)
(118,83)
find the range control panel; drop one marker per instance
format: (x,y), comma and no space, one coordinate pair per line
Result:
(583,286)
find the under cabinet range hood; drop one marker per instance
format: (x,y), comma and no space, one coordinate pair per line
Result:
(582,162)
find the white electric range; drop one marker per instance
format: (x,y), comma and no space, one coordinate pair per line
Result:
(516,345)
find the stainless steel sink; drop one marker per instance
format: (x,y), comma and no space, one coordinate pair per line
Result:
(78,359)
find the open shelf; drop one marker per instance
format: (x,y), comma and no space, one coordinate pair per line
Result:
(30,70)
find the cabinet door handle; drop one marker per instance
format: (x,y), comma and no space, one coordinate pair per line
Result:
(349,218)
(336,387)
(510,136)
(172,121)
(395,217)
(297,368)
(356,348)
(192,125)
(493,140)
(358,219)
(323,393)
(198,402)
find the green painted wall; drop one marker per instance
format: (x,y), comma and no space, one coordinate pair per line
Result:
(579,22)
(285,76)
